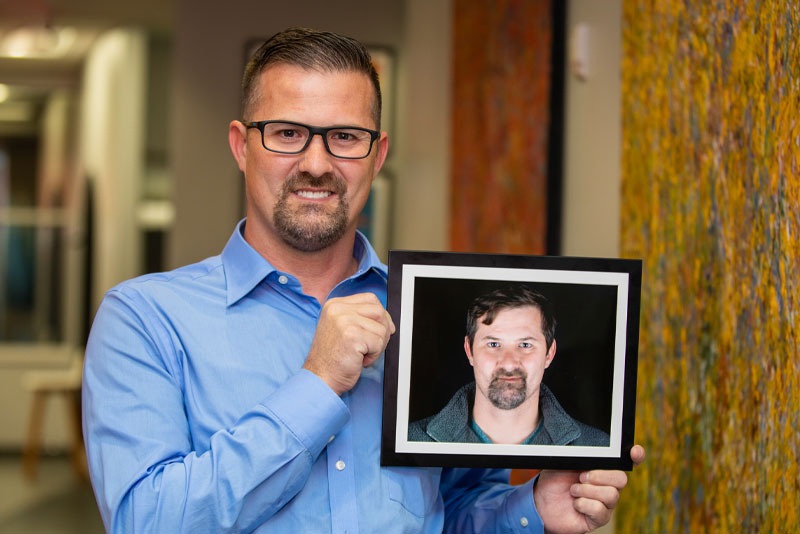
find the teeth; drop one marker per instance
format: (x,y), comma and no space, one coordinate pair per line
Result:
(314,194)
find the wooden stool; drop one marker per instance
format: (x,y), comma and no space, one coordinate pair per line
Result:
(41,385)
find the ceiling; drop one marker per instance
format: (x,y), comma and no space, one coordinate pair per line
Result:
(43,44)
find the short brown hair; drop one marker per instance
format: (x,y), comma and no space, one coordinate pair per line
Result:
(313,50)
(510,297)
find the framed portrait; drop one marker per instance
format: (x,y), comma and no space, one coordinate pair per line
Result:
(511,361)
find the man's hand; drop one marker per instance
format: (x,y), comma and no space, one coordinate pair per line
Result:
(352,332)
(570,502)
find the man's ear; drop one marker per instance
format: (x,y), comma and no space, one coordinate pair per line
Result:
(551,353)
(468,350)
(383,149)
(237,139)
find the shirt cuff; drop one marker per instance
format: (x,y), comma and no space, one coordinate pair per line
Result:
(521,512)
(309,409)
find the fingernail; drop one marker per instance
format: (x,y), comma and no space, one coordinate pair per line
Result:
(584,477)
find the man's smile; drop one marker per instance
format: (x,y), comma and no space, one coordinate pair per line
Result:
(311,194)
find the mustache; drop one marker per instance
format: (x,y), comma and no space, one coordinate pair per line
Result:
(515,373)
(303,179)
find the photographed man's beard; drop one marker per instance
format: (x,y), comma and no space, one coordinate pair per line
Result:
(311,227)
(508,395)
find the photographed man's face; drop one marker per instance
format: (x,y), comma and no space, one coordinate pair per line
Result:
(509,357)
(309,200)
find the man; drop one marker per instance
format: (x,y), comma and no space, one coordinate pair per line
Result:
(510,341)
(243,393)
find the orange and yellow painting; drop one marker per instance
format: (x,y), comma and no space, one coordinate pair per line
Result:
(711,202)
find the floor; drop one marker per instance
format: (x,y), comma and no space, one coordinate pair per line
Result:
(55,503)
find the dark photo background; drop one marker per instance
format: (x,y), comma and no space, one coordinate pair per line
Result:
(580,376)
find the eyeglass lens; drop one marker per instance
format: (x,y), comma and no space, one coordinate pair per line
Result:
(292,138)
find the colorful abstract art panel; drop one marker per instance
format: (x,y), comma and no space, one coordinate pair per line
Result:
(711,202)
(500,125)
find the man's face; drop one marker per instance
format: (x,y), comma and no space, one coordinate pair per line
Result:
(312,199)
(509,357)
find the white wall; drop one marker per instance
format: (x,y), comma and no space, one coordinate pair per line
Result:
(593,136)
(421,199)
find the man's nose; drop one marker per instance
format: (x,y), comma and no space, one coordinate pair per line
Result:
(315,159)
(508,359)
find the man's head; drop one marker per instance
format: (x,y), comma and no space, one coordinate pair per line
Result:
(306,198)
(510,341)
(310,50)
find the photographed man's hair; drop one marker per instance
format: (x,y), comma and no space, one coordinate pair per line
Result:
(510,297)
(312,50)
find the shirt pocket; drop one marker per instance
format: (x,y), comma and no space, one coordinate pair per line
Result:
(415,489)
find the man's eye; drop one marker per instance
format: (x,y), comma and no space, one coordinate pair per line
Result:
(493,344)
(288,134)
(343,136)
(525,345)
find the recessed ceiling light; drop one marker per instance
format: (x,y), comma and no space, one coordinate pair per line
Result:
(37,42)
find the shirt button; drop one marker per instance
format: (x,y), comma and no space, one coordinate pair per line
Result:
(523,521)
(340,465)
(283,279)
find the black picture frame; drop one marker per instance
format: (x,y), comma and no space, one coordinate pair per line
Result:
(593,376)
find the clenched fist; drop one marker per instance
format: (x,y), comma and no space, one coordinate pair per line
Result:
(352,332)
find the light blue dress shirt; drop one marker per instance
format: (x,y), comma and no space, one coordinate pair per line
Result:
(199,418)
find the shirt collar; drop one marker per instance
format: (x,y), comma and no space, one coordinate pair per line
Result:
(245,268)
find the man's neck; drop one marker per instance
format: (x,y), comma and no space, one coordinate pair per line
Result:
(506,426)
(318,272)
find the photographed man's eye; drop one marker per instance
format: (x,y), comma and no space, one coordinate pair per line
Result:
(525,345)
(493,344)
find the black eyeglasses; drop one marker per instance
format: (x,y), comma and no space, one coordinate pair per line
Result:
(347,142)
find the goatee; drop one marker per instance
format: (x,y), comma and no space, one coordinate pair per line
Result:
(508,395)
(311,227)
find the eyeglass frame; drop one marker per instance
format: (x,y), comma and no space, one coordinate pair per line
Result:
(312,131)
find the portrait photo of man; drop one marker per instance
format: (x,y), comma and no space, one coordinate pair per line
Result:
(510,341)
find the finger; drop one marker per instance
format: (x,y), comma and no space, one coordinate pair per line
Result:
(596,513)
(637,454)
(380,317)
(372,326)
(352,318)
(367,304)
(392,328)
(600,477)
(356,298)
(370,359)
(608,495)
(364,306)
(377,314)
